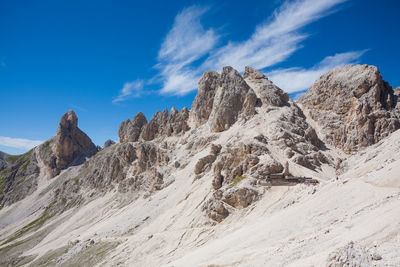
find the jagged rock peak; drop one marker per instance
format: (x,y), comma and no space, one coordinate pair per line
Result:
(162,124)
(165,124)
(250,73)
(204,100)
(222,98)
(129,131)
(230,99)
(354,106)
(72,145)
(269,93)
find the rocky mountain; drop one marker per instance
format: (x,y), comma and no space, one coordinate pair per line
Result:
(353,107)
(222,184)
(69,147)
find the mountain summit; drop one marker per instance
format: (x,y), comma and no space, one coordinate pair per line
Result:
(246,177)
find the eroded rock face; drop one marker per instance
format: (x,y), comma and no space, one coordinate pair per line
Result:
(108,143)
(222,99)
(129,131)
(3,160)
(215,210)
(204,100)
(204,164)
(353,106)
(72,145)
(269,93)
(19,178)
(163,124)
(229,100)
(240,197)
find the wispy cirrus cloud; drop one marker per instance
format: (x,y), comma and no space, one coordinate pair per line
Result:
(189,49)
(19,142)
(276,39)
(298,79)
(129,90)
(186,42)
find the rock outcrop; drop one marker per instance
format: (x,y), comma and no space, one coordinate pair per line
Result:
(129,131)
(108,143)
(269,93)
(163,124)
(353,106)
(3,160)
(353,254)
(72,145)
(222,98)
(19,178)
(204,100)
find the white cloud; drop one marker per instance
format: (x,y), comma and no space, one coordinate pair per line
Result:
(276,39)
(272,42)
(19,142)
(186,42)
(189,49)
(130,89)
(298,79)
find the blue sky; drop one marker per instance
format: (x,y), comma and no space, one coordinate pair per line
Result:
(108,60)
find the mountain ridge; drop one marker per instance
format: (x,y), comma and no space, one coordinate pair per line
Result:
(185,174)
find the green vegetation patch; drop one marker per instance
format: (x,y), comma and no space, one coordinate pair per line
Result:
(238,179)
(19,158)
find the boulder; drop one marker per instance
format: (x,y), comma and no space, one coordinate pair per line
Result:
(215,210)
(240,197)
(204,164)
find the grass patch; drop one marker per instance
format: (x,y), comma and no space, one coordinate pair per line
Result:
(238,179)
(26,165)
(19,158)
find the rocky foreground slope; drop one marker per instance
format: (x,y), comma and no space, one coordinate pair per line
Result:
(192,187)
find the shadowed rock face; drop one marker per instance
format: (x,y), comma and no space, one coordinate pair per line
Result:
(222,98)
(72,145)
(129,131)
(353,106)
(204,100)
(108,143)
